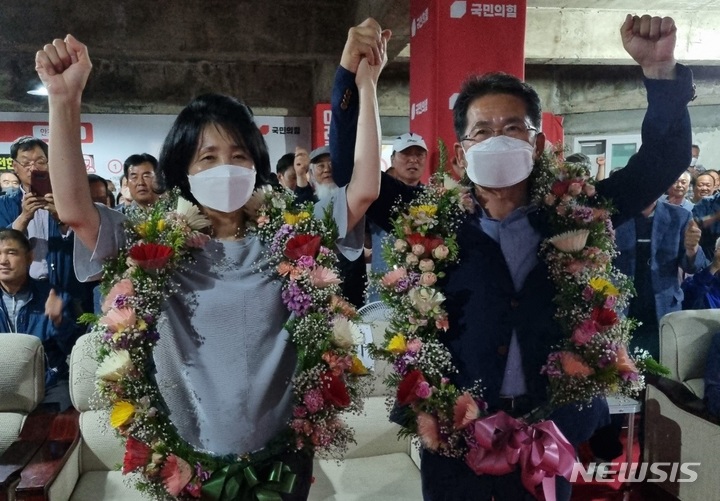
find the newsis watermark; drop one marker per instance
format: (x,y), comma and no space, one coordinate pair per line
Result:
(636,472)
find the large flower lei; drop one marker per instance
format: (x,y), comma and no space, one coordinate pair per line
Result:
(325,384)
(592,359)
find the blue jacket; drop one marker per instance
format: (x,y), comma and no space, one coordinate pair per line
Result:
(482,304)
(702,291)
(667,253)
(708,206)
(61,273)
(57,341)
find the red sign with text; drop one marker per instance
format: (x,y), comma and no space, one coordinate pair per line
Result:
(451,40)
(321,125)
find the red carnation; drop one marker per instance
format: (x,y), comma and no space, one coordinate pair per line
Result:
(407,389)
(604,318)
(150,256)
(334,390)
(302,245)
(137,455)
(559,188)
(415,238)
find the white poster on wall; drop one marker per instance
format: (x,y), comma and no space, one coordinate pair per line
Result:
(107,140)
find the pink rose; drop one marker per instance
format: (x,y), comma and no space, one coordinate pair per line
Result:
(625,363)
(549,199)
(411,259)
(440,252)
(589,190)
(427,265)
(574,189)
(428,278)
(393,277)
(400,245)
(414,345)
(418,249)
(423,390)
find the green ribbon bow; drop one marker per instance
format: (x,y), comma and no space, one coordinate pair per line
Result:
(238,482)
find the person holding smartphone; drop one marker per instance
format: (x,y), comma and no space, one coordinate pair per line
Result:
(31,210)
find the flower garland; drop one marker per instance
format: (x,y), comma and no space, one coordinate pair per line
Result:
(592,359)
(322,329)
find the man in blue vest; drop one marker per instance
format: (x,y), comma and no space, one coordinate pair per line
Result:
(499,296)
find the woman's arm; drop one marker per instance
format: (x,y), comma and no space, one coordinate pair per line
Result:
(365,182)
(64,67)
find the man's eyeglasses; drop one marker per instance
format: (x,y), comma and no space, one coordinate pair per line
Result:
(40,163)
(515,130)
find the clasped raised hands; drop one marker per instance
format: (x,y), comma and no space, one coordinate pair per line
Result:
(64,67)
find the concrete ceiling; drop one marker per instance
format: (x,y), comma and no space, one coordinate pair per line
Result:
(280,55)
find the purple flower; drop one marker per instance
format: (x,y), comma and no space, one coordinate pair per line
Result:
(296,299)
(306,261)
(584,214)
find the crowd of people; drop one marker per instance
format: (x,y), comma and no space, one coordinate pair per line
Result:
(52,237)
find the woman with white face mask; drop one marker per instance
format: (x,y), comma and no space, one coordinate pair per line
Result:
(224,363)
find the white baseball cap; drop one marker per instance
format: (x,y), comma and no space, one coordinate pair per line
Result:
(407,140)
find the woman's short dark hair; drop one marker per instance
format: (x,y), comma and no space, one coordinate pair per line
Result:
(182,141)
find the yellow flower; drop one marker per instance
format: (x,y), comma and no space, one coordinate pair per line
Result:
(122,412)
(397,345)
(293,219)
(428,210)
(603,286)
(142,229)
(161,225)
(357,367)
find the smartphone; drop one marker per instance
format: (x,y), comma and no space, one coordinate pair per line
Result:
(40,183)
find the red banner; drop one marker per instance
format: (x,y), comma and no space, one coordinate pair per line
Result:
(451,40)
(552,127)
(321,125)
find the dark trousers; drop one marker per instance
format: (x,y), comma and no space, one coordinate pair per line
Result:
(302,466)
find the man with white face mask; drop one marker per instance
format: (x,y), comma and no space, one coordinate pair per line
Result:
(499,296)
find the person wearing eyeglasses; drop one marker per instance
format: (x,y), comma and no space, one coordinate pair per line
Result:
(499,296)
(34,215)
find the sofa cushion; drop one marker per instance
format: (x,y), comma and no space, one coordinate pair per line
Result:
(697,386)
(108,486)
(22,372)
(10,426)
(375,434)
(83,366)
(101,447)
(391,477)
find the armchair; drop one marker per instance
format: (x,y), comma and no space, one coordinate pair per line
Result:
(23,425)
(79,464)
(678,428)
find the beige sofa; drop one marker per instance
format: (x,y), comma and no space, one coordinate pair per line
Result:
(678,428)
(87,468)
(23,427)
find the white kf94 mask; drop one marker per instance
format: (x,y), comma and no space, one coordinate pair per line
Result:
(224,188)
(499,162)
